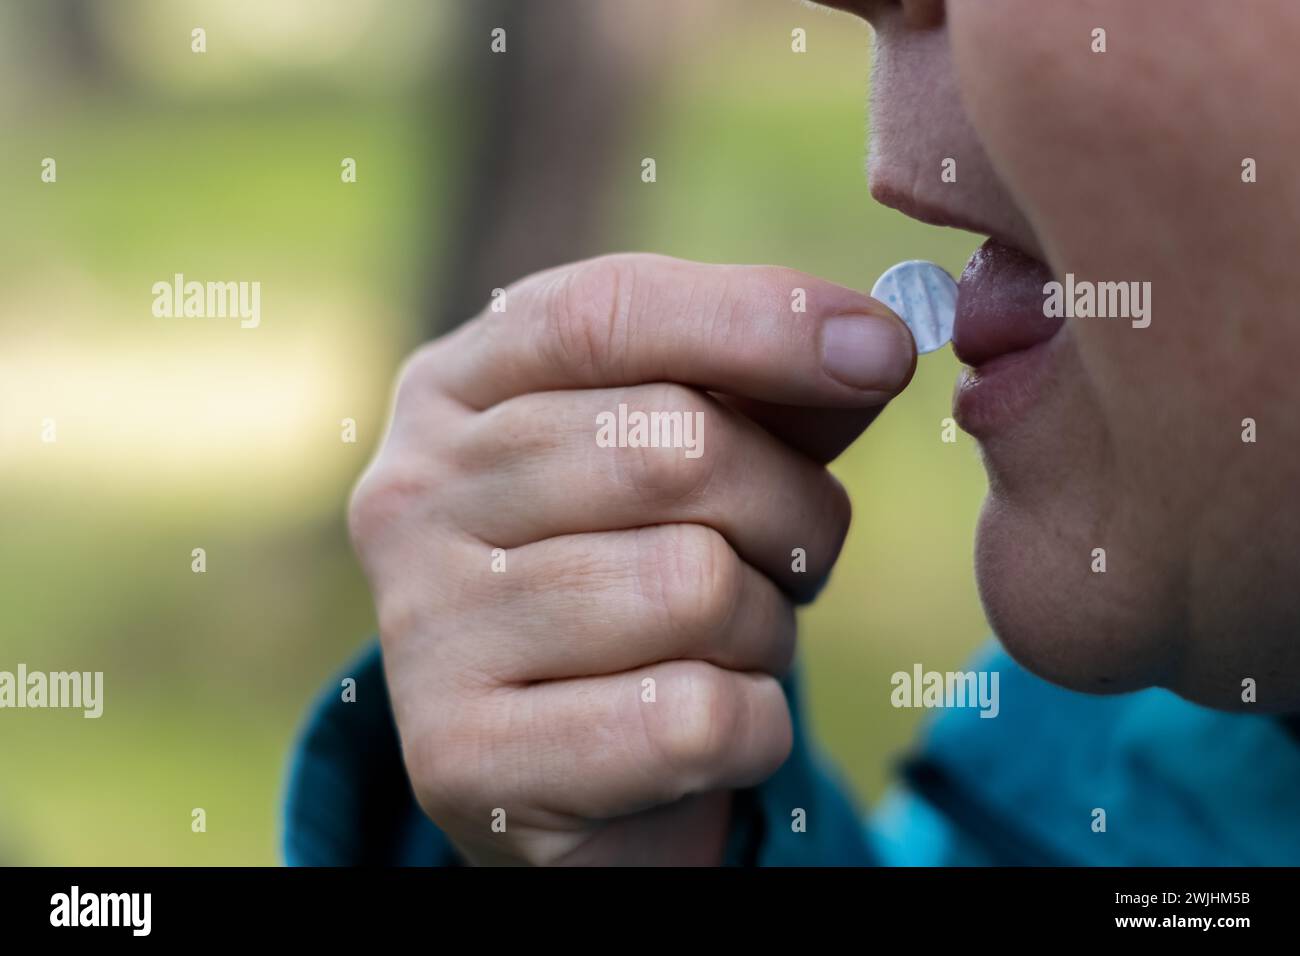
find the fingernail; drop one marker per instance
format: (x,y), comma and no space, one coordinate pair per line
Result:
(866,351)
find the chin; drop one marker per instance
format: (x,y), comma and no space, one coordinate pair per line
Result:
(1090,632)
(1149,620)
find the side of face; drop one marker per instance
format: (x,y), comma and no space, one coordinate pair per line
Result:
(1127,165)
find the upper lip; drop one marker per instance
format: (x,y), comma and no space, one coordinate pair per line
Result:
(930,214)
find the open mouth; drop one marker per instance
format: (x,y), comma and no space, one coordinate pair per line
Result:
(1003,336)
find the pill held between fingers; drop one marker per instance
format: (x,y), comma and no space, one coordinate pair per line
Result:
(925,297)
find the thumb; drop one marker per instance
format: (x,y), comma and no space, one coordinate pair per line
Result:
(820,433)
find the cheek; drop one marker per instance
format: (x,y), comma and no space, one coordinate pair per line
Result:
(1128,166)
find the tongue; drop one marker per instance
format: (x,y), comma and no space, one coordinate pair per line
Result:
(1000,305)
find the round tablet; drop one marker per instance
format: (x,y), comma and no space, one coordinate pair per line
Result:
(925,297)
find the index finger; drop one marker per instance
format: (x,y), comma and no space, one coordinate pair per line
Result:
(634,319)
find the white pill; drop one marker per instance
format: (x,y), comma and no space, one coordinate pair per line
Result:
(925,297)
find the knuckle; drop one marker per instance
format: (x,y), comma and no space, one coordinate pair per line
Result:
(417,373)
(396,480)
(664,475)
(669,396)
(839,508)
(696,580)
(397,616)
(442,776)
(384,496)
(694,732)
(585,314)
(832,515)
(772,709)
(661,472)
(448,756)
(522,429)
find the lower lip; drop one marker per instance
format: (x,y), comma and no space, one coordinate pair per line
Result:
(1003,390)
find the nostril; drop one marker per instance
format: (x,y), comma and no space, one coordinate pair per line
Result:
(923,14)
(916,14)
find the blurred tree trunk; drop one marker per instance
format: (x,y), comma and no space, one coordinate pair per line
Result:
(77,44)
(542,123)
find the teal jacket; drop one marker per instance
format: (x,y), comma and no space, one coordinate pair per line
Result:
(1180,786)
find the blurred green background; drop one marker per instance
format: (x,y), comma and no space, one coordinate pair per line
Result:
(177,434)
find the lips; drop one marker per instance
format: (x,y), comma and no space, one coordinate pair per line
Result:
(1002,335)
(1000,305)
